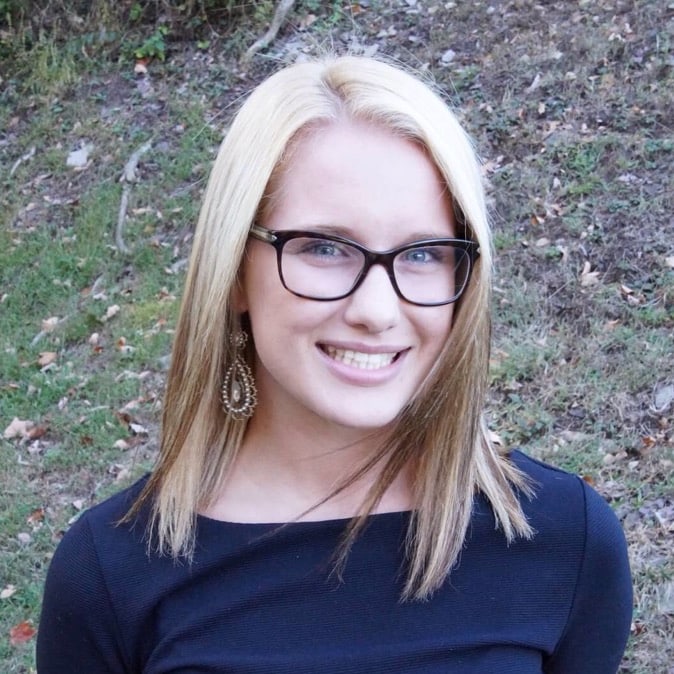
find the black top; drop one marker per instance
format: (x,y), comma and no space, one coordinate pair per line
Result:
(259,599)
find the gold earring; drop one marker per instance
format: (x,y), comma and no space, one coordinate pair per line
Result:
(239,394)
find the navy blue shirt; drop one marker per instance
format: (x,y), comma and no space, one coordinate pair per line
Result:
(258,599)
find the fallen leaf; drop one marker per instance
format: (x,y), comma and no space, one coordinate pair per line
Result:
(48,324)
(307,21)
(137,429)
(663,398)
(124,347)
(34,447)
(635,300)
(21,633)
(534,85)
(7,591)
(111,311)
(564,252)
(18,428)
(141,66)
(448,56)
(666,598)
(78,159)
(575,436)
(36,432)
(587,277)
(47,358)
(122,475)
(36,517)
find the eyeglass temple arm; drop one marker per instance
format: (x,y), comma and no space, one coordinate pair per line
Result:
(262,234)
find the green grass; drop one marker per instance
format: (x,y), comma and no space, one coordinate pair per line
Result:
(58,259)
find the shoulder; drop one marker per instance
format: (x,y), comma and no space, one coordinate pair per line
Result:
(80,611)
(114,508)
(565,505)
(581,535)
(100,529)
(543,475)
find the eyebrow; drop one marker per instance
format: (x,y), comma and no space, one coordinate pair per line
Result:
(347,233)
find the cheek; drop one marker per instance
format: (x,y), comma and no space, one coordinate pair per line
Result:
(439,325)
(438,329)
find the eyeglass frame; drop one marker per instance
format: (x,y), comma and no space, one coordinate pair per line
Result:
(278,238)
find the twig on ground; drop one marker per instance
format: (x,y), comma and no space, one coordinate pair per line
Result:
(280,13)
(29,155)
(42,333)
(128,177)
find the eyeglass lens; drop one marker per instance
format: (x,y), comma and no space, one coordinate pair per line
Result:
(431,273)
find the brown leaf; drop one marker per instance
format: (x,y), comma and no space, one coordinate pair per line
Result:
(47,358)
(21,633)
(36,432)
(111,311)
(587,277)
(18,428)
(36,517)
(49,324)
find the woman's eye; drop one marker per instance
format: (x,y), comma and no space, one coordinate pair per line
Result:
(322,248)
(420,255)
(325,249)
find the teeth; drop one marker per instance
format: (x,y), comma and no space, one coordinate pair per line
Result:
(364,361)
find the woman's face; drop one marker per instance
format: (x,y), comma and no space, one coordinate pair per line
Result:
(354,362)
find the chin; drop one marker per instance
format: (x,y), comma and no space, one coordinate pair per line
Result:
(365,422)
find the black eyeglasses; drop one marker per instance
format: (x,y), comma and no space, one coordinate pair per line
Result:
(323,267)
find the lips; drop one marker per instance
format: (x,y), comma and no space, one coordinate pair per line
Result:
(360,359)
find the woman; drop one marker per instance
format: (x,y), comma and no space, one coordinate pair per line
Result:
(327,498)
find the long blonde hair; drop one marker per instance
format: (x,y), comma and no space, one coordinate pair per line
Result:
(441,431)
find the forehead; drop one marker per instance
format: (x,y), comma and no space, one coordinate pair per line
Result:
(358,176)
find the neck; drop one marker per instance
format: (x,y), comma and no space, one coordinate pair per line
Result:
(284,471)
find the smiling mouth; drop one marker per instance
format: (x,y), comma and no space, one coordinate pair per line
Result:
(363,361)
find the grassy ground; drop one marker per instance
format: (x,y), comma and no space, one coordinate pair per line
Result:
(571,108)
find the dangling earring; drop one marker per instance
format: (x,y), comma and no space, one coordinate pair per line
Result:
(239,395)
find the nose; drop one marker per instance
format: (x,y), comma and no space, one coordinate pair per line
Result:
(374,305)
